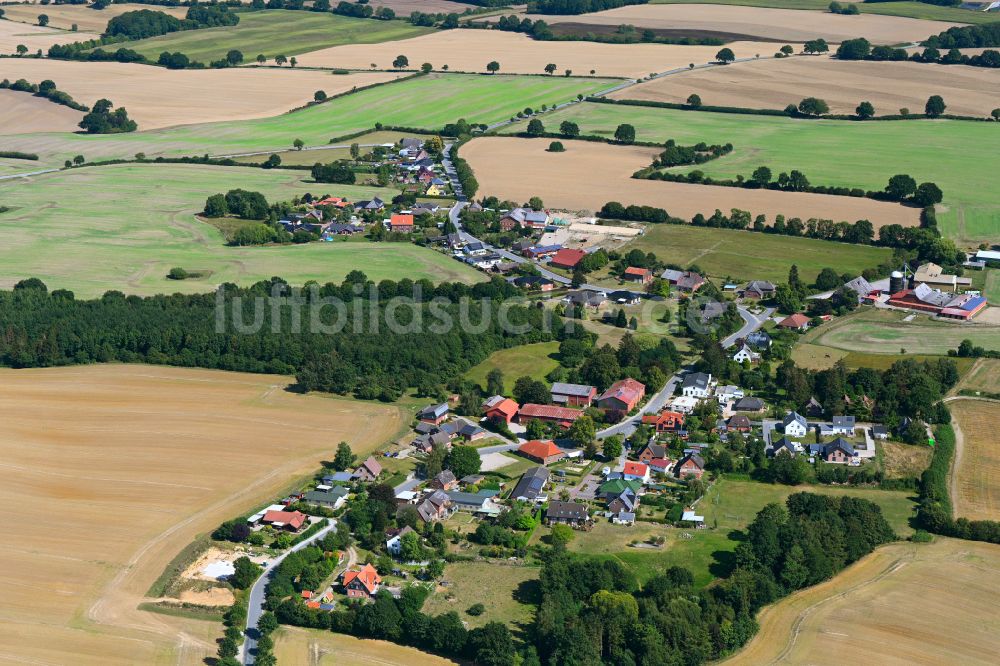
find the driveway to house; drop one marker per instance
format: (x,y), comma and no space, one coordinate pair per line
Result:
(255,604)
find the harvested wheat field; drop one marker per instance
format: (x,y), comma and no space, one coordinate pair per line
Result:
(121,467)
(471,50)
(905,604)
(85,18)
(157,97)
(976,474)
(984,376)
(34,37)
(775,83)
(792,25)
(21,112)
(323,648)
(589,174)
(406,7)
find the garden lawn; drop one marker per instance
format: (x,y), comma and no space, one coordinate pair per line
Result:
(534,361)
(431,102)
(832,152)
(749,255)
(917,10)
(276,32)
(507,592)
(124,227)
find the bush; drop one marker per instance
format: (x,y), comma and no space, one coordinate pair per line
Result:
(476,610)
(557,147)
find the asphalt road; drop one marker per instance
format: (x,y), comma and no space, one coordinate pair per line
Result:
(255,604)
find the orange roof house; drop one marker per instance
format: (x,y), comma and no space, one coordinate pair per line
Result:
(564,416)
(622,396)
(665,421)
(641,275)
(339,202)
(567,258)
(503,409)
(403,223)
(288,520)
(797,321)
(544,452)
(636,471)
(361,584)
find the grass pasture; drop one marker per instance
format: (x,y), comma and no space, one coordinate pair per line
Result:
(508,592)
(818,357)
(905,603)
(985,376)
(276,32)
(885,332)
(314,647)
(747,255)
(170,453)
(832,152)
(441,99)
(977,468)
(310,157)
(535,361)
(124,227)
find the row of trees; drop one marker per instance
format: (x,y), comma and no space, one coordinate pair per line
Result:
(143,23)
(46,89)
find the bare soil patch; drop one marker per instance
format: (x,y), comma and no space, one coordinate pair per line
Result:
(122,467)
(34,37)
(903,604)
(157,97)
(774,83)
(765,23)
(21,112)
(588,175)
(407,7)
(85,18)
(471,50)
(977,475)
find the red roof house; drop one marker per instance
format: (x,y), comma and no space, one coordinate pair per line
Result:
(401,223)
(361,584)
(544,452)
(640,275)
(564,416)
(286,520)
(665,421)
(635,471)
(622,396)
(504,409)
(797,321)
(567,258)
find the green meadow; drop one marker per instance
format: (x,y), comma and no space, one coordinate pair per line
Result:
(953,153)
(124,227)
(428,102)
(534,361)
(276,32)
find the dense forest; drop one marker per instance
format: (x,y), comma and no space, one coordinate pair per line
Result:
(365,357)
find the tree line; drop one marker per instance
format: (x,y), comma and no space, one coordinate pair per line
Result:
(942,48)
(46,89)
(564,7)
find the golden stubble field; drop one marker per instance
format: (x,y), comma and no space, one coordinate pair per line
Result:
(590,174)
(905,604)
(313,647)
(34,37)
(765,23)
(774,83)
(976,475)
(22,112)
(85,18)
(471,50)
(112,470)
(158,97)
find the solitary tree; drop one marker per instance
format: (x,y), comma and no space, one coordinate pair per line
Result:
(261,59)
(935,106)
(234,57)
(694,100)
(995,113)
(787,50)
(568,72)
(865,110)
(427,68)
(725,56)
(319,96)
(535,127)
(43,20)
(292,61)
(557,147)
(493,67)
(400,62)
(78,160)
(280,60)
(298,144)
(901,186)
(569,129)
(625,133)
(21,49)
(813,106)
(344,457)
(550,68)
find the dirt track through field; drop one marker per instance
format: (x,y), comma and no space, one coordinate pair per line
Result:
(774,83)
(925,604)
(157,97)
(975,476)
(588,175)
(22,112)
(122,466)
(794,25)
(471,50)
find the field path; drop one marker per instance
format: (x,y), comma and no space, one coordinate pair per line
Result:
(956,466)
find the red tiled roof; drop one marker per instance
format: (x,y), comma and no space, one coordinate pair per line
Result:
(568,257)
(312,604)
(507,407)
(367,576)
(293,518)
(627,390)
(306,594)
(532,410)
(797,320)
(638,272)
(401,221)
(635,468)
(539,449)
(659,463)
(672,419)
